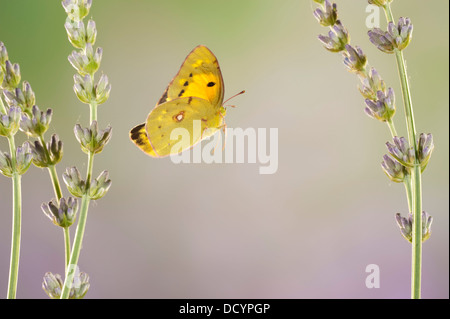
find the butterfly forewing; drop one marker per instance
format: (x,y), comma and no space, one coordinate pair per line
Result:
(199,76)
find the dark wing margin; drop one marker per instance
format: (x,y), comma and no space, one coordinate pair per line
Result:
(138,135)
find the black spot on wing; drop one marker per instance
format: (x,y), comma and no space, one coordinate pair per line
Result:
(186,83)
(190,75)
(211,84)
(181,93)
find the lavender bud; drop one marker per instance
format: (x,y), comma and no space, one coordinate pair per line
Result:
(102,90)
(393,169)
(397,37)
(88,61)
(74,183)
(53,285)
(401,151)
(92,140)
(23,158)
(3,56)
(381,40)
(84,88)
(63,212)
(91,32)
(427,220)
(354,59)
(100,186)
(327,16)
(9,122)
(51,156)
(337,38)
(6,167)
(371,84)
(76,33)
(23,98)
(36,124)
(406,225)
(401,33)
(425,148)
(22,163)
(382,109)
(77,9)
(11,77)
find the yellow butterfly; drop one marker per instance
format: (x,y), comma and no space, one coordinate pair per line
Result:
(195,93)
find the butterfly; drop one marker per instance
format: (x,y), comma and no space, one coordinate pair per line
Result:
(194,94)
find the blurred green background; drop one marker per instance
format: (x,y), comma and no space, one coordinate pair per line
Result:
(222,230)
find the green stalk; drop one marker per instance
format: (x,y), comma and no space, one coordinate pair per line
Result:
(58,194)
(66,247)
(409,195)
(76,248)
(83,217)
(416,268)
(391,125)
(93,111)
(2,106)
(55,181)
(416,179)
(16,224)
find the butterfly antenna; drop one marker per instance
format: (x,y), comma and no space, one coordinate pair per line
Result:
(242,92)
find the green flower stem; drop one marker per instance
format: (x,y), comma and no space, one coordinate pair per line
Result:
(416,178)
(58,194)
(391,126)
(93,111)
(55,180)
(76,248)
(406,99)
(89,170)
(2,106)
(16,225)
(416,268)
(52,171)
(408,189)
(80,227)
(66,246)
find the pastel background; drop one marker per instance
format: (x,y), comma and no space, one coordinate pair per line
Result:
(223,230)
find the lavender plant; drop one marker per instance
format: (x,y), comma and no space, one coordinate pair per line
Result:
(15,163)
(23,113)
(86,61)
(408,157)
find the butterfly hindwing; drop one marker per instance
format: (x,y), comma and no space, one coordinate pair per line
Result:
(189,114)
